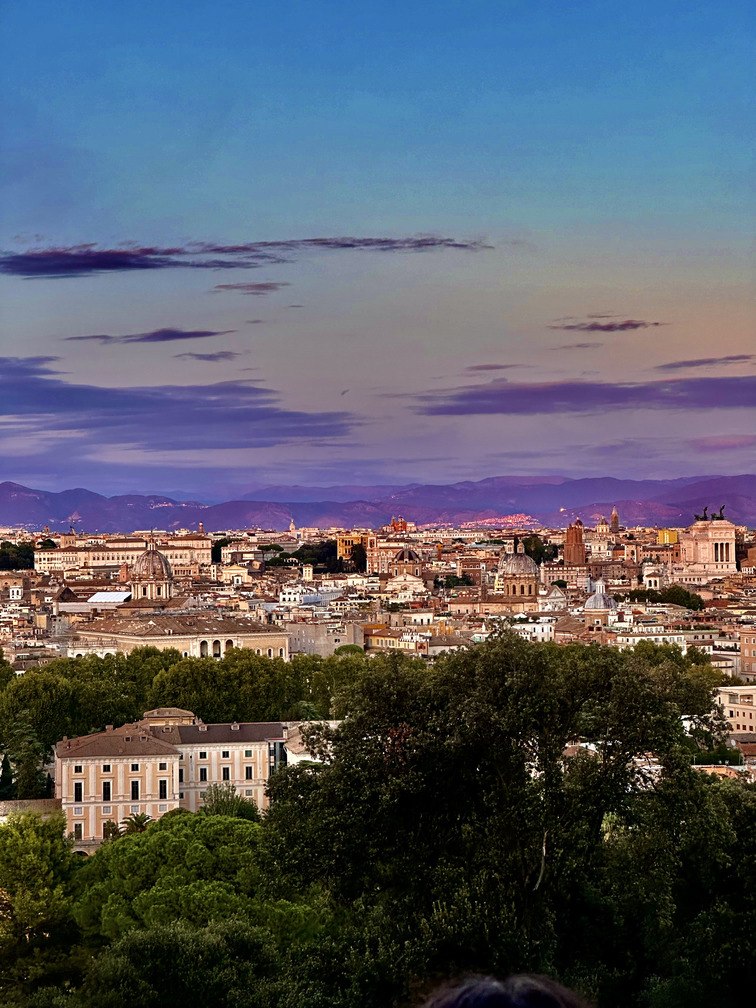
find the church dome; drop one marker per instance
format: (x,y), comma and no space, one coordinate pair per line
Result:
(599,599)
(519,564)
(151,566)
(407,555)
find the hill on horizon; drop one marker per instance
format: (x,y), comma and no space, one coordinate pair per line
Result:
(550,502)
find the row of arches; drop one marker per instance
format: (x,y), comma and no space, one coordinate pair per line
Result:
(216,649)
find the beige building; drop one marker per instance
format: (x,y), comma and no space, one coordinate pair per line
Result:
(111,775)
(739,704)
(165,761)
(707,551)
(748,654)
(200,634)
(109,554)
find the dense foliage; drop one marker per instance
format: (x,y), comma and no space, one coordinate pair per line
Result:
(452,825)
(673,595)
(16,556)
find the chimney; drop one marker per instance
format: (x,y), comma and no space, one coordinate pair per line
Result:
(108,727)
(234,726)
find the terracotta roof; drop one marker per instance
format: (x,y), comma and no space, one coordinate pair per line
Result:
(130,740)
(162,624)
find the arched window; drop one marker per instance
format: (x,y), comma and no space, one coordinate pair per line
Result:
(229,644)
(270,652)
(216,649)
(203,649)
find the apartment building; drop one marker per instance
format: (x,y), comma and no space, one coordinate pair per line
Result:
(739,705)
(167,760)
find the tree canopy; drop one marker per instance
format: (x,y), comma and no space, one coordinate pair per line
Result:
(495,811)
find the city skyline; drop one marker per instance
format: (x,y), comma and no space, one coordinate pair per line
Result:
(246,245)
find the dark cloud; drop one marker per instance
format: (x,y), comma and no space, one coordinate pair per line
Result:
(256,289)
(90,259)
(211,358)
(156,336)
(502,397)
(493,367)
(697,362)
(623,325)
(163,418)
(254,321)
(579,346)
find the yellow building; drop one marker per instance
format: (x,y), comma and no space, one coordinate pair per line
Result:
(667,537)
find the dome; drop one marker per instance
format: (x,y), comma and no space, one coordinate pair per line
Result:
(599,599)
(151,566)
(407,555)
(519,564)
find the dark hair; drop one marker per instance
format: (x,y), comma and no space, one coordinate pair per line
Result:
(520,991)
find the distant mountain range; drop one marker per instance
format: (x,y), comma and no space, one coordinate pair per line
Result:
(549,501)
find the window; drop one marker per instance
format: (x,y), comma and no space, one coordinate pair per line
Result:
(107,809)
(224,754)
(106,767)
(135,790)
(106,790)
(181,795)
(78,810)
(135,768)
(134,808)
(162,789)
(226,773)
(248,753)
(203,755)
(248,773)
(162,766)
(78,831)
(162,808)
(78,791)
(181,775)
(203,774)
(77,768)
(249,792)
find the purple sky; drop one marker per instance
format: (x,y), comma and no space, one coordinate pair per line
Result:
(326,244)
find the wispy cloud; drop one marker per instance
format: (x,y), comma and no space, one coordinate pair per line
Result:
(210,358)
(163,418)
(256,289)
(156,336)
(88,258)
(502,397)
(722,442)
(698,362)
(595,325)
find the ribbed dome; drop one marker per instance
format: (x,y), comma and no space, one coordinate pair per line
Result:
(151,566)
(407,555)
(519,564)
(599,599)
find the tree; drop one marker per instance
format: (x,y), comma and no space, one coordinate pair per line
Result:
(448,809)
(137,822)
(16,556)
(222,799)
(217,546)
(228,964)
(37,865)
(358,556)
(26,754)
(7,788)
(47,544)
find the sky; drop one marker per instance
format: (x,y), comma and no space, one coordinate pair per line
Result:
(247,243)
